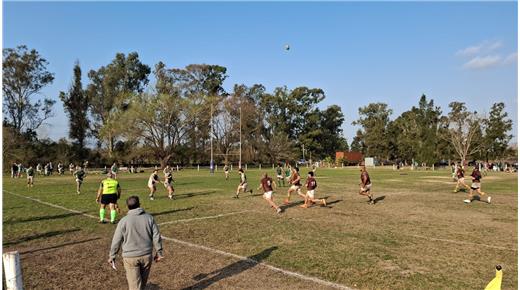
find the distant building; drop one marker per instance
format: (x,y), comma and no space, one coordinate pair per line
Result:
(349,158)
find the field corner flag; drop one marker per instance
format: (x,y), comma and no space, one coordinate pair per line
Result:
(496,283)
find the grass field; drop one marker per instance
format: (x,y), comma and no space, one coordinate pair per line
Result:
(419,235)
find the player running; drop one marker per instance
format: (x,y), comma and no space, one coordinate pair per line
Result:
(311,185)
(30,176)
(61,169)
(108,193)
(243,183)
(79,174)
(460,179)
(266,183)
(475,186)
(71,169)
(114,169)
(154,178)
(168,181)
(295,182)
(226,171)
(279,176)
(365,185)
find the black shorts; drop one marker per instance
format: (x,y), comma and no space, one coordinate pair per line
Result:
(109,198)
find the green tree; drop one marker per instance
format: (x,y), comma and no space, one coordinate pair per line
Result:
(497,128)
(374,119)
(76,104)
(331,136)
(357,144)
(109,91)
(24,75)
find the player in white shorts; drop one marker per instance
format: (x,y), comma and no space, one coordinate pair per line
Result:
(295,181)
(311,185)
(243,183)
(154,178)
(168,181)
(266,183)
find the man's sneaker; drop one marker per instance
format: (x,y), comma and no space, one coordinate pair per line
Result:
(102,221)
(279,210)
(113,222)
(489,199)
(236,196)
(170,196)
(455,191)
(152,198)
(323,202)
(467,201)
(251,191)
(79,192)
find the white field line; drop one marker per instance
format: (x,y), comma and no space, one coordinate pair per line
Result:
(463,243)
(273,268)
(206,217)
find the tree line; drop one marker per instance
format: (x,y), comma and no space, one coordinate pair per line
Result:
(138,114)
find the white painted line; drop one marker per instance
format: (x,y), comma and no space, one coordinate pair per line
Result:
(273,268)
(205,217)
(463,243)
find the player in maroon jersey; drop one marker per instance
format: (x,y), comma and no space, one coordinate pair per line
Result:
(311,185)
(476,176)
(267,185)
(460,179)
(295,181)
(365,185)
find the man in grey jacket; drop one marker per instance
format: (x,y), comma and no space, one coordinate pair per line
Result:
(137,234)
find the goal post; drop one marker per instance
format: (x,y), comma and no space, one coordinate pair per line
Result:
(13,271)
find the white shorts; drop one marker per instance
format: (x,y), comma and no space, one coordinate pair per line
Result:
(295,187)
(310,194)
(79,180)
(279,176)
(29,178)
(151,186)
(268,194)
(460,180)
(475,185)
(367,187)
(243,186)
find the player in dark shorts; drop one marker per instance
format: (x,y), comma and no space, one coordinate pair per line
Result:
(279,176)
(168,181)
(365,185)
(476,176)
(311,186)
(460,179)
(267,185)
(108,193)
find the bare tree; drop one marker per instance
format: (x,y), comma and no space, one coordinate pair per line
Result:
(464,130)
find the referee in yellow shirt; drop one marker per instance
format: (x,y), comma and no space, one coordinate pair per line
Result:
(108,193)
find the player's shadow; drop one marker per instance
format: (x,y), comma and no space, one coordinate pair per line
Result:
(292,204)
(59,246)
(230,270)
(43,218)
(192,194)
(172,211)
(39,236)
(379,198)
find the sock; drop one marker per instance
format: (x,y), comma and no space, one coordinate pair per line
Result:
(112,216)
(101,214)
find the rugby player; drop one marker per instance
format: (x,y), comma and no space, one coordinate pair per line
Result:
(243,183)
(154,178)
(30,176)
(279,176)
(311,185)
(365,184)
(168,181)
(295,182)
(226,171)
(475,186)
(460,179)
(79,174)
(266,183)
(108,193)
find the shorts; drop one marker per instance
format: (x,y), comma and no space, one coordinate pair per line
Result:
(460,180)
(243,186)
(295,187)
(279,176)
(152,186)
(367,187)
(310,193)
(168,183)
(268,195)
(475,185)
(109,198)
(29,179)
(80,181)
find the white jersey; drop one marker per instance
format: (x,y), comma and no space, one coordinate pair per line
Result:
(153,179)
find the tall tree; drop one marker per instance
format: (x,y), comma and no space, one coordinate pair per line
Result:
(464,128)
(24,75)
(76,104)
(331,136)
(109,91)
(497,136)
(357,144)
(374,119)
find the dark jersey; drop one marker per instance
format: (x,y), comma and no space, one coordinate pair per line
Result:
(278,171)
(365,178)
(79,174)
(460,173)
(168,176)
(30,172)
(226,168)
(311,183)
(267,184)
(294,177)
(476,175)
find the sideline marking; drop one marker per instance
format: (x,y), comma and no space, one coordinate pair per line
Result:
(463,243)
(273,268)
(205,217)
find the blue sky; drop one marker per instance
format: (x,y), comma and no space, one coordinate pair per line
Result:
(356,52)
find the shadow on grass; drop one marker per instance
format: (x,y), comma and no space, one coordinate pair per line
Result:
(230,270)
(39,236)
(292,204)
(172,211)
(379,198)
(192,194)
(333,202)
(59,246)
(43,218)
(152,286)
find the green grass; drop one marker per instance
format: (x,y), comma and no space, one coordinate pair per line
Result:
(420,236)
